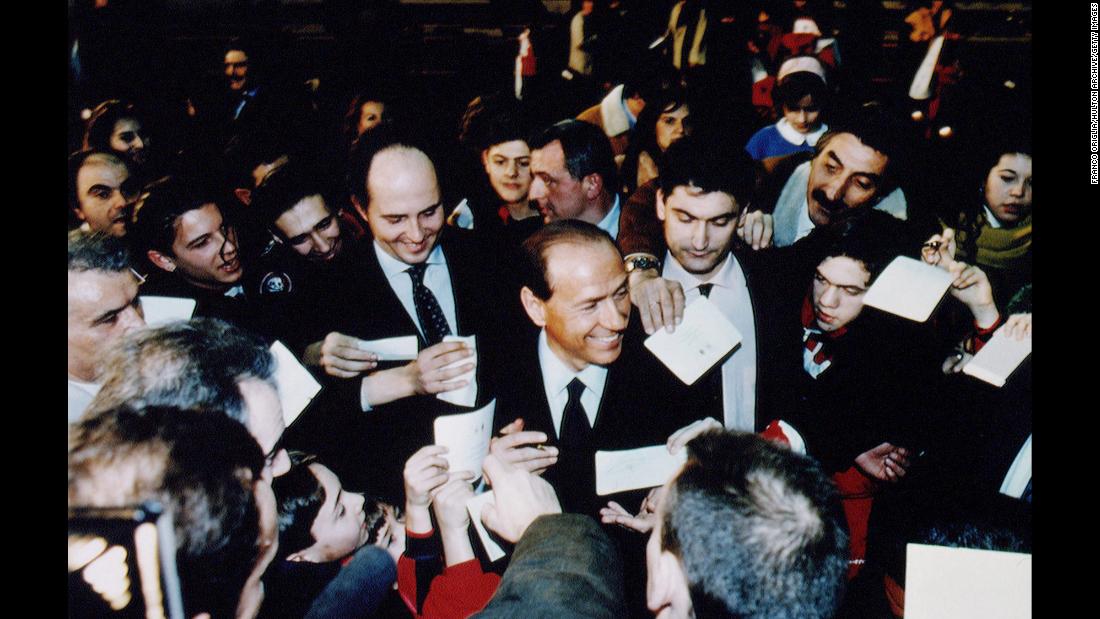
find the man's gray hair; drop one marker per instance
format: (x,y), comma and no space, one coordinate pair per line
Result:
(97,251)
(194,364)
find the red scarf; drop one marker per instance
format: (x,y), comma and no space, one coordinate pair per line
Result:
(814,336)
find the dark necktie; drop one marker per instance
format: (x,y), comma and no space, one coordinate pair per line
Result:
(712,399)
(575,429)
(432,321)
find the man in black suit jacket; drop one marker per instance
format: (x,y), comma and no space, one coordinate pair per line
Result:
(584,383)
(415,278)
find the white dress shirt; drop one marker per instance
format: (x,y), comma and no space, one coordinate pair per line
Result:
(80,396)
(556,376)
(437,278)
(731,294)
(610,221)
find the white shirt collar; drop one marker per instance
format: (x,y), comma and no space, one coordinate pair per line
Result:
(556,375)
(726,276)
(610,221)
(790,134)
(990,219)
(392,266)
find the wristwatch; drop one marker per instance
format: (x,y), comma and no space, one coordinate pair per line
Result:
(642,262)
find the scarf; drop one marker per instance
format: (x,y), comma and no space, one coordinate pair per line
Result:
(998,248)
(817,354)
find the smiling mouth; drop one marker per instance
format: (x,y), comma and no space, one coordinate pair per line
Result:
(232,266)
(607,340)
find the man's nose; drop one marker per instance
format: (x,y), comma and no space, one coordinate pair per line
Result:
(415,232)
(131,319)
(538,189)
(699,236)
(830,297)
(612,318)
(320,243)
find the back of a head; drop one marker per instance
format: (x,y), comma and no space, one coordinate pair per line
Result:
(192,364)
(201,467)
(585,147)
(758,529)
(709,164)
(97,251)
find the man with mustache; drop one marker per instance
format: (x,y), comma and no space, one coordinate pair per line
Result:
(851,172)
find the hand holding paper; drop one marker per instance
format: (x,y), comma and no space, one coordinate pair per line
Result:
(434,370)
(466,395)
(341,356)
(701,340)
(466,438)
(1000,357)
(403,348)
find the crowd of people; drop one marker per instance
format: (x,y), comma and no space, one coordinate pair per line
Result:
(738,160)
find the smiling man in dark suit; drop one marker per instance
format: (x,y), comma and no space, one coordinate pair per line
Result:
(584,383)
(415,278)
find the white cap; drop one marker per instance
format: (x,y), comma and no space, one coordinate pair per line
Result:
(801,63)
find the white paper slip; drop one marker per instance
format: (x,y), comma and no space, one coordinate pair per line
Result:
(296,385)
(948,583)
(474,506)
(403,348)
(630,469)
(466,437)
(162,310)
(999,358)
(466,396)
(700,341)
(909,288)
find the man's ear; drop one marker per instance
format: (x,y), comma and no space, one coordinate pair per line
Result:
(667,585)
(244,195)
(485,158)
(661,205)
(79,214)
(161,261)
(592,185)
(534,306)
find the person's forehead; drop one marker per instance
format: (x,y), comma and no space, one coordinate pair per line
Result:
(265,412)
(303,216)
(512,149)
(372,106)
(101,172)
(843,271)
(677,112)
(854,155)
(402,182)
(1017,162)
(127,124)
(582,270)
(549,159)
(95,291)
(197,222)
(701,205)
(235,56)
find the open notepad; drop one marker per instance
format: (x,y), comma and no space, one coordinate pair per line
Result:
(703,338)
(909,288)
(162,310)
(950,583)
(631,469)
(999,358)
(403,348)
